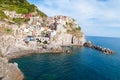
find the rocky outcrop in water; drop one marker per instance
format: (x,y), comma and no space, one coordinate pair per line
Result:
(9,71)
(99,48)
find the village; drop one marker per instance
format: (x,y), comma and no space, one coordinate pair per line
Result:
(37,28)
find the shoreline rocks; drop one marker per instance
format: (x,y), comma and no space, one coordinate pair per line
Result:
(48,49)
(9,71)
(30,52)
(99,48)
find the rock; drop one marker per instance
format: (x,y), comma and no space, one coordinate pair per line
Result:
(68,39)
(68,51)
(9,71)
(99,48)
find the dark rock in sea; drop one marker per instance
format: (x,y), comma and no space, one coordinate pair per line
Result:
(68,51)
(99,48)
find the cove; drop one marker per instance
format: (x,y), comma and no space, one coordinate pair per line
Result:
(82,64)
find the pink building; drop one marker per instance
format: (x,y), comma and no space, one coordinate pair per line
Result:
(28,15)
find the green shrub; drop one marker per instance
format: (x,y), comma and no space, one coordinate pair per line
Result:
(78,28)
(20,20)
(2,15)
(41,13)
(8,31)
(1,54)
(4,30)
(22,11)
(20,6)
(45,42)
(70,24)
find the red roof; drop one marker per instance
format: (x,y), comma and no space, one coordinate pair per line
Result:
(28,15)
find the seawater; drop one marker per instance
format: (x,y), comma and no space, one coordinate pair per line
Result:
(82,64)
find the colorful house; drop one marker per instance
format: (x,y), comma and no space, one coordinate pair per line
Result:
(28,15)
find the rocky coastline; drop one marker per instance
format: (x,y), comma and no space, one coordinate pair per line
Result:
(39,35)
(26,52)
(89,44)
(9,71)
(11,48)
(30,52)
(35,35)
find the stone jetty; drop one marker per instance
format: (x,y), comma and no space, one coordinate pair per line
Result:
(89,44)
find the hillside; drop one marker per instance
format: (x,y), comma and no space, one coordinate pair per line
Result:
(24,24)
(25,30)
(20,6)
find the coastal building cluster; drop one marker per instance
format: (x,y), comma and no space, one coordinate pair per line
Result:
(13,14)
(44,29)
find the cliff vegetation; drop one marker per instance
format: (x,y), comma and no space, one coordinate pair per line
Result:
(20,6)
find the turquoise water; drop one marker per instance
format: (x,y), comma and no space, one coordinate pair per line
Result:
(82,64)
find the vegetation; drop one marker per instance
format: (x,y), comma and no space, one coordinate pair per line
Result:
(45,42)
(78,28)
(75,31)
(41,13)
(8,30)
(4,30)
(20,20)
(70,24)
(2,15)
(0,53)
(20,6)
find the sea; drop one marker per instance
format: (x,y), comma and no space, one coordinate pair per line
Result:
(82,64)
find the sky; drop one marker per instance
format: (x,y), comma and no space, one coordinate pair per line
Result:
(96,17)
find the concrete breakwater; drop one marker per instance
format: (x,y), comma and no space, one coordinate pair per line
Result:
(99,48)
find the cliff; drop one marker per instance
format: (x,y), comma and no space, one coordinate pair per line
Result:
(9,71)
(25,30)
(68,32)
(35,36)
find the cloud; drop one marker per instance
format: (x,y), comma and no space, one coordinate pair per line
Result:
(102,0)
(90,14)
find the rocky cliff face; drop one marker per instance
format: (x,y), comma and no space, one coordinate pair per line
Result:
(68,39)
(18,22)
(64,32)
(9,71)
(68,32)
